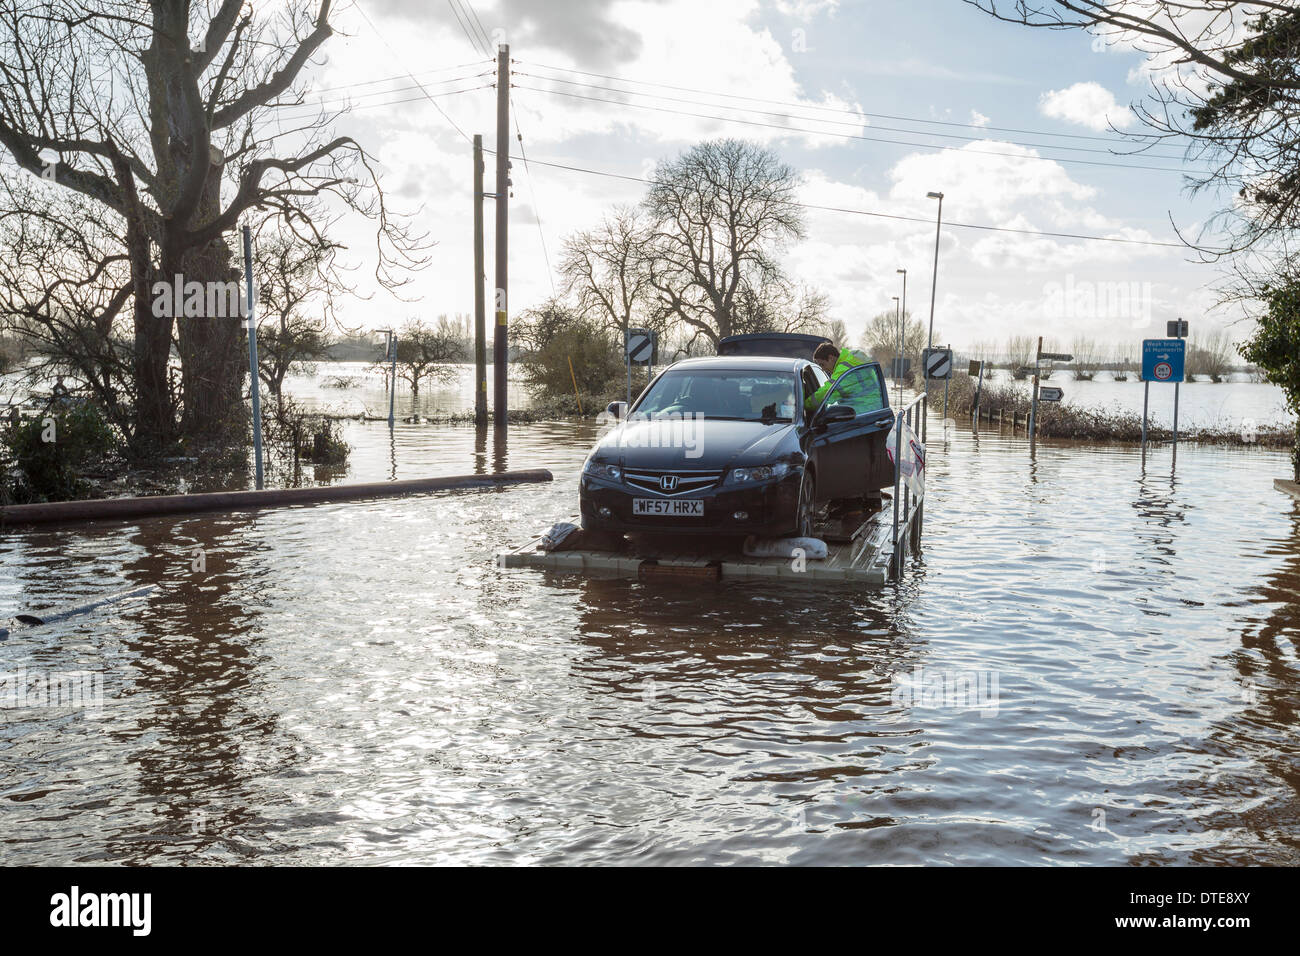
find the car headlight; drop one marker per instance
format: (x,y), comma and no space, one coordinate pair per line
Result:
(602,469)
(740,476)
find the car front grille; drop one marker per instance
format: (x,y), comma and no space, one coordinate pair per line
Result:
(687,481)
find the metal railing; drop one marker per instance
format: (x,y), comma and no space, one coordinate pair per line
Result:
(913,509)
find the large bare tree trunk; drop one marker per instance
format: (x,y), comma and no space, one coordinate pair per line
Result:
(155,420)
(213,359)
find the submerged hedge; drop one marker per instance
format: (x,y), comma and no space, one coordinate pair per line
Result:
(1065,420)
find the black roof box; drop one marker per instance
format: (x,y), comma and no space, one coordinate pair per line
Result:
(778,344)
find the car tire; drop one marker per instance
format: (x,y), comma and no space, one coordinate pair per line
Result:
(806,513)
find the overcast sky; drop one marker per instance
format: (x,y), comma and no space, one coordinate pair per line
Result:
(1024,115)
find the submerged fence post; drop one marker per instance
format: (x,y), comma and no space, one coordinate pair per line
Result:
(898,474)
(249,309)
(1146,398)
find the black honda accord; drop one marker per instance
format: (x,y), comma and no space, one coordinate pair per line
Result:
(726,446)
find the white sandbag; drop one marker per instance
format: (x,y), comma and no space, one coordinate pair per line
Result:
(812,548)
(556,535)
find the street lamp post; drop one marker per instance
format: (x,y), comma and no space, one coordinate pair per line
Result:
(898,360)
(934,282)
(902,325)
(391,340)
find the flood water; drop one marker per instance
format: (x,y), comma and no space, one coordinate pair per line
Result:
(1088,664)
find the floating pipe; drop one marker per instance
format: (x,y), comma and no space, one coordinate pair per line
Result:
(111,508)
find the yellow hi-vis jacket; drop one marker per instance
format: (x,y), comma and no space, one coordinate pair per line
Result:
(848,358)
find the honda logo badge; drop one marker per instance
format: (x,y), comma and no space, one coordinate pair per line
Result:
(668,482)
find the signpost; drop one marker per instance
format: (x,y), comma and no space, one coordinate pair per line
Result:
(641,346)
(1043,360)
(1163,360)
(938,363)
(977,368)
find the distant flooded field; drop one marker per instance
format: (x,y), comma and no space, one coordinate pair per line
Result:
(1201,404)
(1088,664)
(354,388)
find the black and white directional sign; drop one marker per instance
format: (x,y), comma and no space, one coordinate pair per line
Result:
(1047,394)
(640,345)
(938,363)
(1056,357)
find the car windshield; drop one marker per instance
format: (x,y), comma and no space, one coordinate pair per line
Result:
(733,394)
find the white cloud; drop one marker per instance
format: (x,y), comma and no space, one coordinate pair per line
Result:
(805,10)
(978,118)
(1088,104)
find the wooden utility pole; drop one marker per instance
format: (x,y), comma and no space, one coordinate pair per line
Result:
(499,372)
(480,278)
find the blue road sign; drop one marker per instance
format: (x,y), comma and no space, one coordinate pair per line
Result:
(1162,360)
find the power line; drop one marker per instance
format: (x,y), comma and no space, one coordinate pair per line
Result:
(398,89)
(402,76)
(532,191)
(872,139)
(445,116)
(832,109)
(487,40)
(860,122)
(408,99)
(884,215)
(473,40)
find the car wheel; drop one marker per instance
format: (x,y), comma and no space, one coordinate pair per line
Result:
(807,513)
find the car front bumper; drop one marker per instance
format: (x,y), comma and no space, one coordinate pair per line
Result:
(771,508)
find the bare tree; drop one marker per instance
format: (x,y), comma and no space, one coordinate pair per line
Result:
(1084,364)
(424,351)
(64,288)
(835,330)
(720,214)
(1020,355)
(1210,355)
(604,270)
(880,339)
(1229,86)
(153,114)
(779,307)
(297,287)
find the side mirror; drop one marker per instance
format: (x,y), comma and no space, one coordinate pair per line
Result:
(830,414)
(617,409)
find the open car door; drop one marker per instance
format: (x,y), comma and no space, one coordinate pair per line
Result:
(850,454)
